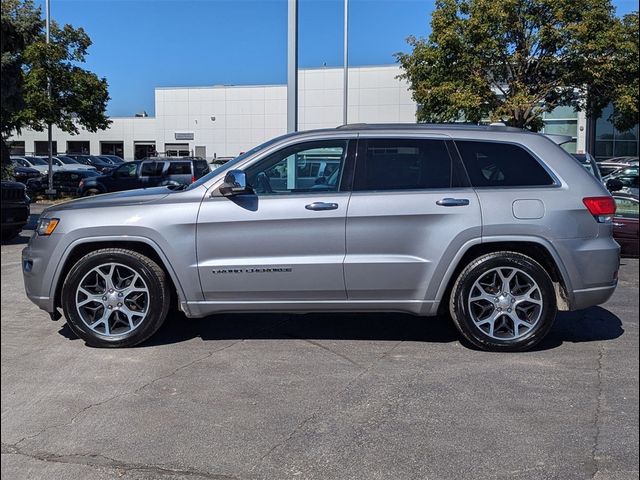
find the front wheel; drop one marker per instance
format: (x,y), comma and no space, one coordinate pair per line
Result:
(115,298)
(503,301)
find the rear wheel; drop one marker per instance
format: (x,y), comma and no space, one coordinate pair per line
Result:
(503,301)
(115,298)
(91,192)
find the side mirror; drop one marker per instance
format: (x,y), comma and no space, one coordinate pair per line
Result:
(235,183)
(614,185)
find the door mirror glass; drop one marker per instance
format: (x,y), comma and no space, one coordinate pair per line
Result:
(235,183)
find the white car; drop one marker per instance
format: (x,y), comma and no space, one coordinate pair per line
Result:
(62,162)
(33,162)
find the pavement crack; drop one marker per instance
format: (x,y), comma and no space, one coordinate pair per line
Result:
(103,462)
(317,411)
(338,354)
(123,394)
(597,414)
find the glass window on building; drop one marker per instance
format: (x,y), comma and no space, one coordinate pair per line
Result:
(16,147)
(562,121)
(611,142)
(42,148)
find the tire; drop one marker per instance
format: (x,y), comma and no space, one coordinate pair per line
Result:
(91,192)
(115,297)
(496,317)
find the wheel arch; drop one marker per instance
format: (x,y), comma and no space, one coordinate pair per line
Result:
(141,245)
(535,248)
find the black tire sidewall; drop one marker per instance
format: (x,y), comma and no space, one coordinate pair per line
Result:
(158,299)
(476,336)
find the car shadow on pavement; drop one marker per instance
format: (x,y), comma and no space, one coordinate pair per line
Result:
(23,237)
(594,324)
(591,325)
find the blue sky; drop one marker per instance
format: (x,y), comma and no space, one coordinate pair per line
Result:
(142,44)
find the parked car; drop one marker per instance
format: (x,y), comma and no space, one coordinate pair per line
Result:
(15,209)
(30,161)
(146,174)
(93,161)
(623,180)
(498,226)
(112,159)
(625,223)
(24,174)
(65,182)
(588,162)
(62,162)
(629,160)
(607,168)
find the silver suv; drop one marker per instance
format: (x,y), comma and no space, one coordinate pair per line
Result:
(499,227)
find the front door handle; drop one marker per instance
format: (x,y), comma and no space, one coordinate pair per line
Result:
(321,206)
(453,202)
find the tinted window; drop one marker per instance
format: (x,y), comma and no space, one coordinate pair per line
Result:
(200,167)
(151,169)
(127,170)
(492,164)
(180,168)
(297,169)
(403,164)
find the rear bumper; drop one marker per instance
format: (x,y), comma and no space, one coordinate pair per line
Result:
(592,268)
(591,296)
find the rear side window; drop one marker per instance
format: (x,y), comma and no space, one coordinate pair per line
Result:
(200,167)
(494,164)
(180,168)
(402,164)
(151,169)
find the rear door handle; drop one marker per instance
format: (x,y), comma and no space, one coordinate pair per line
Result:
(453,202)
(321,206)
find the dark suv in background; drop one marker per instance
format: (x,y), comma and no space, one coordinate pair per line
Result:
(15,209)
(152,172)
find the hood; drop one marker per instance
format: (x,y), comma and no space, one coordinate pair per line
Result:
(117,199)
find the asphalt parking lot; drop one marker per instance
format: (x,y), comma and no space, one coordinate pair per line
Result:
(318,397)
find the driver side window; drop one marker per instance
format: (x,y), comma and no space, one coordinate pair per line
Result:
(304,168)
(127,170)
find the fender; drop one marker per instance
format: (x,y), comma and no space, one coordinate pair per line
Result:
(506,239)
(115,239)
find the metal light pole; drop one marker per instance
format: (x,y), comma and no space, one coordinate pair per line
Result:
(345,106)
(50,190)
(292,67)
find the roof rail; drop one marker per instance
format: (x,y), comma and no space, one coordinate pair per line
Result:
(430,126)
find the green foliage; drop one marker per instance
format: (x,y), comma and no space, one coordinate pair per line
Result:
(514,60)
(43,83)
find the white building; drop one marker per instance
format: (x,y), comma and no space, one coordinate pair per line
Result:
(222,121)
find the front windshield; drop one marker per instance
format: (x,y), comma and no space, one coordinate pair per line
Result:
(37,161)
(231,163)
(68,160)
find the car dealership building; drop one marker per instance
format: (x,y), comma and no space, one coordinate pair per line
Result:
(224,120)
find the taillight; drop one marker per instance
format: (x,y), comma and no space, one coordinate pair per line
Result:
(602,208)
(193,178)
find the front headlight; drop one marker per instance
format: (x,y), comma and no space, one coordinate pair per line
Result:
(46,226)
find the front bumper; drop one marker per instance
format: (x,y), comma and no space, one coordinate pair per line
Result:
(38,270)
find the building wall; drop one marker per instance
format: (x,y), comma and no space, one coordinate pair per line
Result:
(227,120)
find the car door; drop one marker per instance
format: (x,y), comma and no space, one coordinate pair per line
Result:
(151,174)
(410,212)
(625,224)
(125,177)
(285,242)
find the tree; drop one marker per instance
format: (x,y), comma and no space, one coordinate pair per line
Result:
(514,60)
(76,96)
